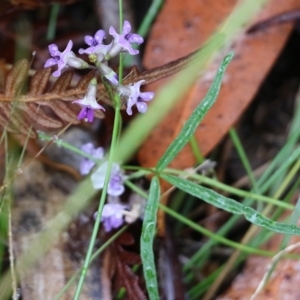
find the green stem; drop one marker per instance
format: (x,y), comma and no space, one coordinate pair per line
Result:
(94,256)
(52,22)
(212,182)
(243,157)
(102,200)
(121,54)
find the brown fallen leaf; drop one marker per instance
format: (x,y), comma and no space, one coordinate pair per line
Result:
(283,283)
(186,25)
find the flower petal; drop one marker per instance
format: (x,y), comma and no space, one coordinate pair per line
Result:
(141,107)
(82,114)
(50,62)
(147,96)
(99,36)
(89,40)
(135,38)
(126,28)
(53,49)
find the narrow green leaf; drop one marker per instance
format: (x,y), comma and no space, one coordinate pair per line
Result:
(230,205)
(148,233)
(192,123)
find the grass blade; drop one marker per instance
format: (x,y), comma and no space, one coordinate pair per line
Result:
(148,232)
(192,123)
(230,205)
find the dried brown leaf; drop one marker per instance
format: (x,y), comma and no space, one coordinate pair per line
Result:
(39,82)
(47,109)
(62,83)
(16,77)
(123,276)
(51,109)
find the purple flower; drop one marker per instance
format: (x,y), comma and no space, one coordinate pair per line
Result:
(89,103)
(64,59)
(115,185)
(135,97)
(87,164)
(112,216)
(95,43)
(122,42)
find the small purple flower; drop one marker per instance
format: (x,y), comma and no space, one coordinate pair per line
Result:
(87,164)
(122,42)
(112,216)
(89,103)
(95,43)
(115,185)
(64,59)
(135,97)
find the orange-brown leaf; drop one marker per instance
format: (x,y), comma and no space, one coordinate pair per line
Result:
(16,77)
(39,81)
(254,56)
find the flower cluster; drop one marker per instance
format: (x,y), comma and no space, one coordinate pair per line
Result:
(99,54)
(89,103)
(114,214)
(115,185)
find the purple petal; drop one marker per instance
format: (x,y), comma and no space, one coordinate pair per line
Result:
(113,78)
(116,222)
(99,36)
(98,153)
(147,96)
(85,166)
(112,31)
(82,114)
(132,51)
(69,48)
(57,73)
(53,49)
(130,103)
(87,148)
(107,225)
(141,107)
(90,114)
(116,187)
(50,62)
(112,216)
(82,51)
(135,38)
(89,40)
(126,28)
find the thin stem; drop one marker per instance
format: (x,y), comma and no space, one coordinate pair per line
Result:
(102,200)
(94,256)
(121,54)
(52,22)
(196,151)
(271,267)
(243,157)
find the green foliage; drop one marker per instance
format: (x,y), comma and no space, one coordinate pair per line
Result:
(147,237)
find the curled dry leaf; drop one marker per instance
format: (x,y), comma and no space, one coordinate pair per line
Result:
(51,110)
(118,263)
(38,109)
